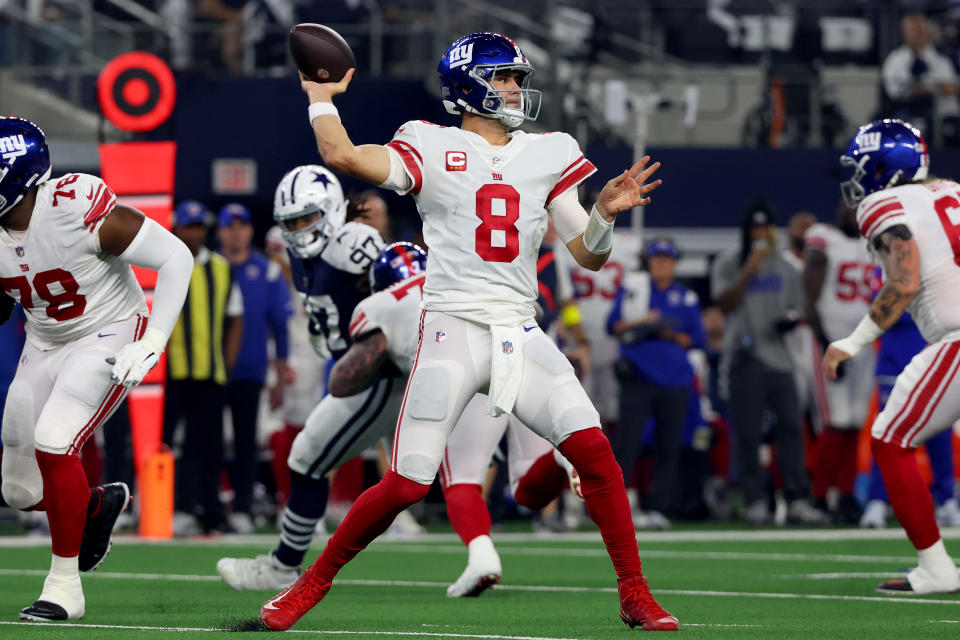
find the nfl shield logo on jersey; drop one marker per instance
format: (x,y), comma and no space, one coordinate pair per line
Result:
(20,251)
(507,346)
(441,336)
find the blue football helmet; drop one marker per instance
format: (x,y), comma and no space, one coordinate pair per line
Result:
(398,261)
(883,154)
(24,160)
(466,69)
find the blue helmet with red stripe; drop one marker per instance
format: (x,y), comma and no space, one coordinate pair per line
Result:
(24,160)
(467,68)
(881,155)
(398,261)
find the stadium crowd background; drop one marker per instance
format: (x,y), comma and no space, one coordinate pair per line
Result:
(746,102)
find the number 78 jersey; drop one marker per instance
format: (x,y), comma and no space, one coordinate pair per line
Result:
(484,214)
(932,213)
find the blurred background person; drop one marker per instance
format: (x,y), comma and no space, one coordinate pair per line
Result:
(656,320)
(920,82)
(762,296)
(267,307)
(838,277)
(305,372)
(202,349)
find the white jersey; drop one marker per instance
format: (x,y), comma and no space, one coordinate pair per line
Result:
(932,212)
(848,284)
(68,287)
(484,214)
(396,312)
(595,291)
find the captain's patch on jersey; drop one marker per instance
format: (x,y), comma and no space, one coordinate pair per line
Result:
(456,161)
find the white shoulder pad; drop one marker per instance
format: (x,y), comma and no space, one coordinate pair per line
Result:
(353,247)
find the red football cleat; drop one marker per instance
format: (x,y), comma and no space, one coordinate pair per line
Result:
(639,607)
(283,610)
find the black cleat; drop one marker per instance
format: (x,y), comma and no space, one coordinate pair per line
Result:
(43,611)
(114,499)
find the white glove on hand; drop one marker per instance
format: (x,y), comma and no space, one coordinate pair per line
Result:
(134,360)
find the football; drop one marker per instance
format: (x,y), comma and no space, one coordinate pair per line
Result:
(320,53)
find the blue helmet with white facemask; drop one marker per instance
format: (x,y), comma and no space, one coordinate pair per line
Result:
(467,69)
(881,155)
(398,261)
(24,160)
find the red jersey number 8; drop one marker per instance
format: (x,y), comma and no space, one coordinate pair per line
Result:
(498,239)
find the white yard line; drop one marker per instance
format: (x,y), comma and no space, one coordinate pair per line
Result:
(335,632)
(516,587)
(844,576)
(770,535)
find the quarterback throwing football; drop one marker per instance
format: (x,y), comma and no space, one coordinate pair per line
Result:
(484,193)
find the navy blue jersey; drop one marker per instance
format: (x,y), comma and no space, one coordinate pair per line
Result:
(332,283)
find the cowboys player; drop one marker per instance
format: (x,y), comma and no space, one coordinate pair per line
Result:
(329,260)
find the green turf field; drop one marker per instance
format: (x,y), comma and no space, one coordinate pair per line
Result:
(743,584)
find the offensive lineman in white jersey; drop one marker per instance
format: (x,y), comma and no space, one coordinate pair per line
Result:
(66,248)
(484,194)
(914,226)
(838,279)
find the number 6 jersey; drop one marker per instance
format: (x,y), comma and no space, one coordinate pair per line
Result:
(56,269)
(932,212)
(484,214)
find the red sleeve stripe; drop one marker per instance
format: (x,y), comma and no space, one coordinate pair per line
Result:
(103,203)
(882,221)
(573,179)
(863,214)
(815,243)
(361,318)
(874,215)
(412,160)
(572,166)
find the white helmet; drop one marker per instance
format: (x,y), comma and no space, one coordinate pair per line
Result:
(310,190)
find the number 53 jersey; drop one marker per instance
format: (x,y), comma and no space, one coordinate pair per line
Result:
(484,214)
(56,269)
(932,213)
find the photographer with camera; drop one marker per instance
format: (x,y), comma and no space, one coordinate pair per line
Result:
(761,294)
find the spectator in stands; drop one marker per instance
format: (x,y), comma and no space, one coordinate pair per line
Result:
(656,320)
(266,307)
(920,82)
(761,294)
(202,349)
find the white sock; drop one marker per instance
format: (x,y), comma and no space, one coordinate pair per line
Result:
(64,567)
(480,546)
(935,559)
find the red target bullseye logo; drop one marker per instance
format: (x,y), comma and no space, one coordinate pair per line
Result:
(136,91)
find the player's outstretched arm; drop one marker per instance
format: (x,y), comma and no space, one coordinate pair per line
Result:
(359,365)
(368,162)
(630,189)
(901,264)
(140,241)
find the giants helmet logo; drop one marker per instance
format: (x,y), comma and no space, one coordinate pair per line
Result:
(12,147)
(461,55)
